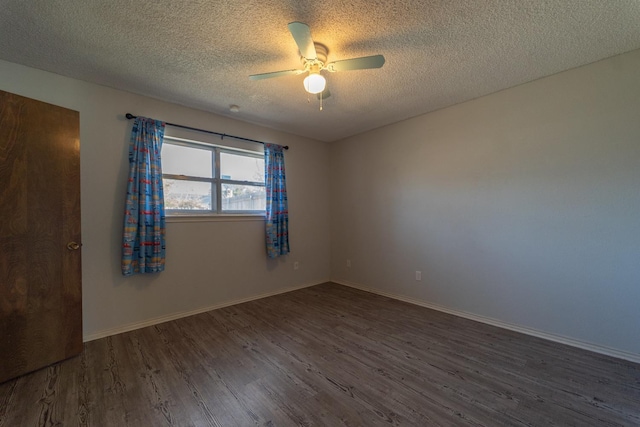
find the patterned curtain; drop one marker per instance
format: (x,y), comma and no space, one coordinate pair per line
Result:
(143,246)
(277,211)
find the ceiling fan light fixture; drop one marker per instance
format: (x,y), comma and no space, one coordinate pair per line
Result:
(314,83)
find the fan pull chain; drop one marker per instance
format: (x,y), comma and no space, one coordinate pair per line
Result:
(321,98)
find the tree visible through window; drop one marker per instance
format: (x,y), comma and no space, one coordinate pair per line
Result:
(203,179)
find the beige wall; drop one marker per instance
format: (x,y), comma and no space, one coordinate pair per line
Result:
(522,206)
(208,263)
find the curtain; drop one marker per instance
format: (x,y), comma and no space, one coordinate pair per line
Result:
(277,218)
(143,245)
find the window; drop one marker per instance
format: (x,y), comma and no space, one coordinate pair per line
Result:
(204,179)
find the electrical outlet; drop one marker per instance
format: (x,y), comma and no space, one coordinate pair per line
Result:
(296,265)
(418,275)
(348,263)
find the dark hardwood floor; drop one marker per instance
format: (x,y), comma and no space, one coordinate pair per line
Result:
(326,355)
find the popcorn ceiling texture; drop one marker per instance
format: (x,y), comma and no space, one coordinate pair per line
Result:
(200,53)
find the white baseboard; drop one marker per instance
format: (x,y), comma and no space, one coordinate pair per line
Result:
(620,354)
(181,314)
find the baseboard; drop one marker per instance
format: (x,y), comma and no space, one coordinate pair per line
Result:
(632,357)
(161,319)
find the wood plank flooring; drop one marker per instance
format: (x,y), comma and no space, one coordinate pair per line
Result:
(326,356)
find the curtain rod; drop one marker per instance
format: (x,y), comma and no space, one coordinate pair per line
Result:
(221,135)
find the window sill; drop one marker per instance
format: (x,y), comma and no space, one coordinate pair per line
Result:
(215,218)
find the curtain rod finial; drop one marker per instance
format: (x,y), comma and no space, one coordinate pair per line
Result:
(129,116)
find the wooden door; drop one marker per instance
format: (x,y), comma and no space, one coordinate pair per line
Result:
(40,277)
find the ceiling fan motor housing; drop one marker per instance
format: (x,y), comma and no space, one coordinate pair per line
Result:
(321,56)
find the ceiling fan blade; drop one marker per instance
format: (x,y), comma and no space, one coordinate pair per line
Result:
(275,74)
(302,35)
(375,61)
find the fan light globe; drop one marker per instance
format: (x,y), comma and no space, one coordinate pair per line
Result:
(314,83)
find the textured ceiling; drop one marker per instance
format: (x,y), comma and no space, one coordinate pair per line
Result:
(200,53)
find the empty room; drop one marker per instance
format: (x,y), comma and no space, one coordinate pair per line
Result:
(330,213)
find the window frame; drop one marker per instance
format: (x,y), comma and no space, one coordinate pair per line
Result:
(216,181)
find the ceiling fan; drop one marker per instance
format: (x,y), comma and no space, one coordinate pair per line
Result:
(314,60)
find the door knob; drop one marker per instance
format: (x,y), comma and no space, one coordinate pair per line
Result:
(73,246)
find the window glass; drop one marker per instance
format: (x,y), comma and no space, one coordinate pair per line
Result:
(243,198)
(240,167)
(191,161)
(187,195)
